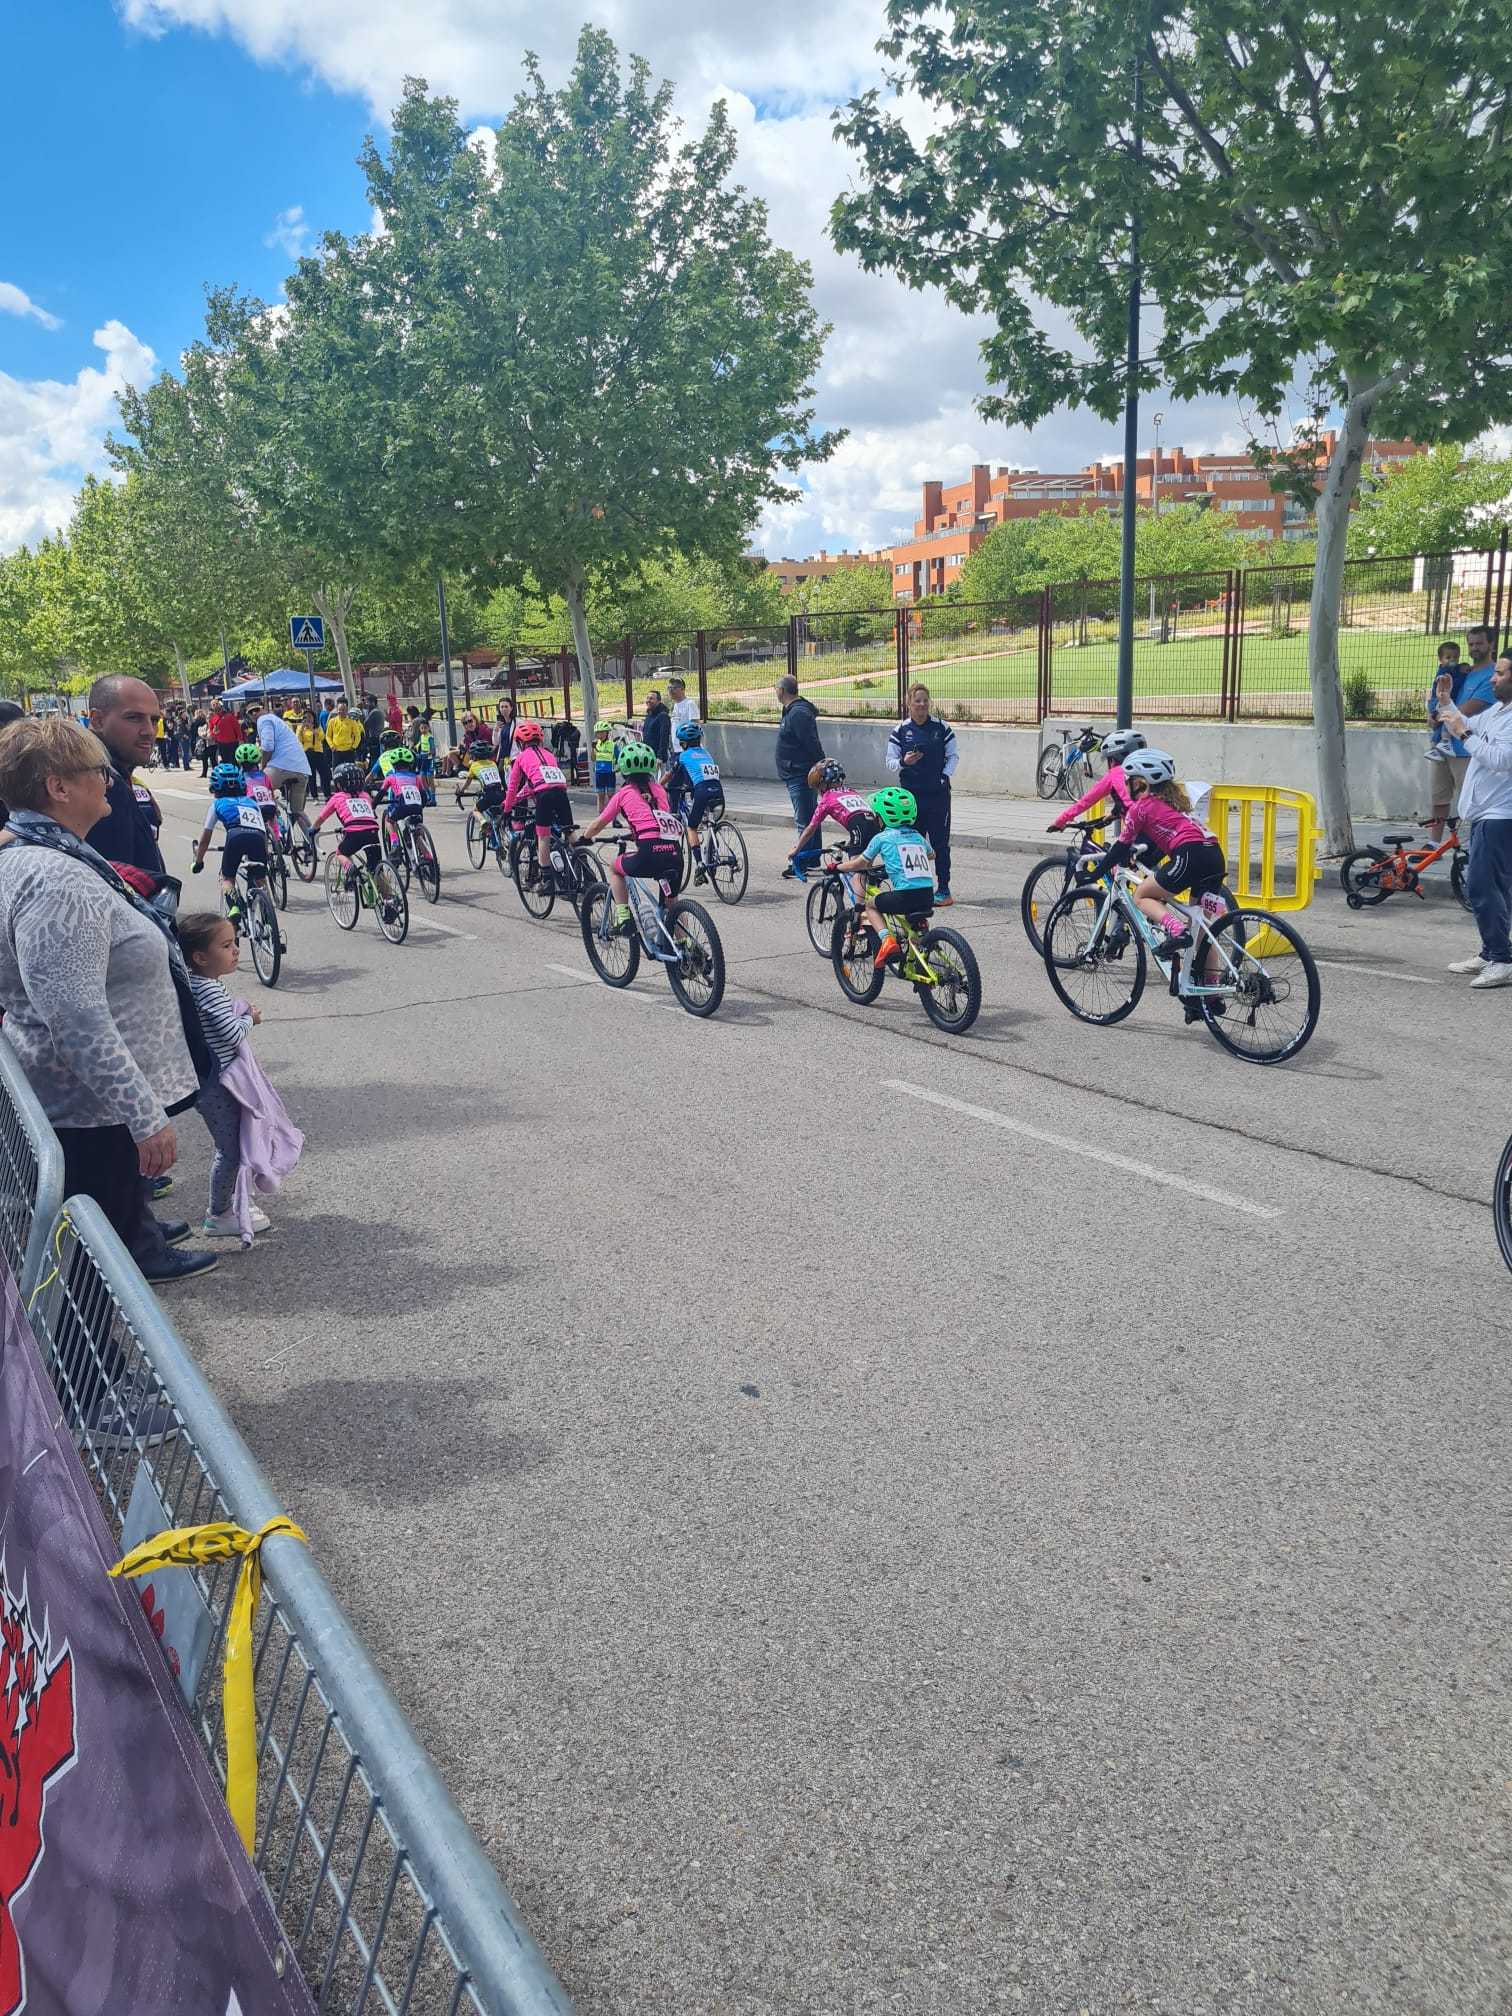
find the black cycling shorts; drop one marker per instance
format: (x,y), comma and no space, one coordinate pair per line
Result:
(708,801)
(1199,868)
(656,861)
(243,847)
(552,808)
(862,830)
(361,840)
(905,902)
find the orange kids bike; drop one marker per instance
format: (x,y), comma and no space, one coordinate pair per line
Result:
(1370,875)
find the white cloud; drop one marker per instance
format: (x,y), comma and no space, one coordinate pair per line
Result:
(52,434)
(291,232)
(13,301)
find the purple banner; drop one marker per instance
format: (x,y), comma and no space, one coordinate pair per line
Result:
(123,1885)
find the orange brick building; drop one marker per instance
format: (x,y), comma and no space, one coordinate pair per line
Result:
(793,573)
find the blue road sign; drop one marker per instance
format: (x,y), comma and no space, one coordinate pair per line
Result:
(307,633)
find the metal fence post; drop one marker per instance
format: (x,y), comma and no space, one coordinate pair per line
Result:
(792,647)
(513,680)
(701,643)
(628,650)
(31,1174)
(1236,657)
(1501,583)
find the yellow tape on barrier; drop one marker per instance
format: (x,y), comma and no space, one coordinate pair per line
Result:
(190,1546)
(1269,837)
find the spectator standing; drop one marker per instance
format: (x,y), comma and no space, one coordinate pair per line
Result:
(656,729)
(922,750)
(798,750)
(222,731)
(313,742)
(506,720)
(1470,691)
(392,714)
(343,735)
(123,713)
(682,709)
(1486,801)
(199,742)
(374,723)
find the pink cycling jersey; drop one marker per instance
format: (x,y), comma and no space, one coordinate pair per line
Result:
(841,806)
(534,769)
(1160,826)
(1114,782)
(352,811)
(651,820)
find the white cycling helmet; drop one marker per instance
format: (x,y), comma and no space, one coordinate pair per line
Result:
(1121,743)
(1151,766)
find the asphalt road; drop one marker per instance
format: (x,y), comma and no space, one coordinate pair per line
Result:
(849,1554)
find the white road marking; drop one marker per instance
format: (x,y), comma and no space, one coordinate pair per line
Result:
(570,971)
(625,993)
(430,924)
(167,791)
(1087,1149)
(1379,972)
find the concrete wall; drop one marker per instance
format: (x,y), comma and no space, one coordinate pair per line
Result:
(1388,778)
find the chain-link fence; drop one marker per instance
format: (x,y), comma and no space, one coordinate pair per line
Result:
(982,661)
(1181,652)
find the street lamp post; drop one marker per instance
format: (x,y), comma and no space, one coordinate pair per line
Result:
(1125,696)
(1155,469)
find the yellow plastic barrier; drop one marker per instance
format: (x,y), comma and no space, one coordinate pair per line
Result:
(1279,872)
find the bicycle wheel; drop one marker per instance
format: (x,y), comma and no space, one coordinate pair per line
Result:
(1360,875)
(393,847)
(391,907)
(477,839)
(1098,973)
(1501,1203)
(1273,1008)
(853,949)
(1459,870)
(278,878)
(1044,885)
(589,871)
(955,1000)
(262,935)
(504,853)
(1047,778)
(303,855)
(699,980)
(342,898)
(730,870)
(537,890)
(823,905)
(427,866)
(614,956)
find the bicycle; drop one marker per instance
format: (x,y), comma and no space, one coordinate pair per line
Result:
(829,895)
(1098,944)
(351,887)
(574,871)
(408,845)
(304,854)
(1501,1203)
(276,825)
(487,834)
(251,915)
(679,934)
(1050,879)
(722,855)
(1067,766)
(937,963)
(1369,875)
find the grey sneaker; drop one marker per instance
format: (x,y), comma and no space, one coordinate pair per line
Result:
(1473,964)
(111,1426)
(1496,973)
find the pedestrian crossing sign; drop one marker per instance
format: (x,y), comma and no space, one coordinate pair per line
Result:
(307,633)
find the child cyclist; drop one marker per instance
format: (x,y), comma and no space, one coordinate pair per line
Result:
(655,829)
(603,762)
(536,774)
(1115,747)
(232,808)
(352,809)
(1160,818)
(907,860)
(850,811)
(694,776)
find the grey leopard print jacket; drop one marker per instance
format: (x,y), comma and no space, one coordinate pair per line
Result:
(89,1005)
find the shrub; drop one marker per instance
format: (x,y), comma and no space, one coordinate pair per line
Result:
(729,707)
(1359,697)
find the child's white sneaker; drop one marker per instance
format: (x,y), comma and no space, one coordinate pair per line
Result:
(223,1224)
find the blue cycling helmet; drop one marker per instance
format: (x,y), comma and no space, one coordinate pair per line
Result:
(689,731)
(227,781)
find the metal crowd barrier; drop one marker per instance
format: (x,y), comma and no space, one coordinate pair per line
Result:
(386,1899)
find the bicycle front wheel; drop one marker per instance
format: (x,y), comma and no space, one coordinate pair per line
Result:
(477,839)
(391,906)
(730,870)
(427,866)
(262,933)
(954,1002)
(1459,869)
(698,979)
(823,905)
(614,955)
(1096,967)
(342,899)
(1047,778)
(1044,885)
(1269,1007)
(537,890)
(853,951)
(1360,874)
(1501,1203)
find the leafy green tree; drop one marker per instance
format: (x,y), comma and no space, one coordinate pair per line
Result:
(399,621)
(1024,555)
(1303,204)
(851,606)
(1435,503)
(583,352)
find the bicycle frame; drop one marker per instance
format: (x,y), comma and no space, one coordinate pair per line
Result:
(1178,971)
(912,964)
(650,914)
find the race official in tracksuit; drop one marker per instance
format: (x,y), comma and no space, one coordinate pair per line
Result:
(922,750)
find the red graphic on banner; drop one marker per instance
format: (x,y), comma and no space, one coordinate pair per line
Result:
(36,1745)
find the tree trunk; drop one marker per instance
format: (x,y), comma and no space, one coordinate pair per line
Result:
(183,670)
(572,595)
(1339,486)
(334,604)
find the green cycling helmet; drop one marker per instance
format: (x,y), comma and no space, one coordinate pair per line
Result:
(404,757)
(248,752)
(635,759)
(894,806)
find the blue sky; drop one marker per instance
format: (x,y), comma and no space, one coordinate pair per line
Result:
(152,147)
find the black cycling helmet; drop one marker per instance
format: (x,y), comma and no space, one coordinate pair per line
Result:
(390,739)
(831,774)
(350,778)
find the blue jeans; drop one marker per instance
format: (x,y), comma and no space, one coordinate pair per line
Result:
(1489,886)
(801,794)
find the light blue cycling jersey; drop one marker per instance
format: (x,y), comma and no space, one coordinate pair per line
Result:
(905,856)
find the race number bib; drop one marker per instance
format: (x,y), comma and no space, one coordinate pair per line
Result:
(550,775)
(142,795)
(360,810)
(486,773)
(913,859)
(261,795)
(668,826)
(410,793)
(249,817)
(851,802)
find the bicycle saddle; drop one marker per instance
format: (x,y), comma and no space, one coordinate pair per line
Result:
(1399,839)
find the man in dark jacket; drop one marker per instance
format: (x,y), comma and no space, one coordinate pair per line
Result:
(656,729)
(798,750)
(922,750)
(372,732)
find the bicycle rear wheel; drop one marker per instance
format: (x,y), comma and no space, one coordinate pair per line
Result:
(278,878)
(262,935)
(303,854)
(427,866)
(1501,1203)
(1360,875)
(1044,885)
(955,1000)
(1050,771)
(392,905)
(393,848)
(537,890)
(730,870)
(1272,1008)
(1098,970)
(589,871)
(853,951)
(822,906)
(342,898)
(477,839)
(699,980)
(614,956)
(1459,870)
